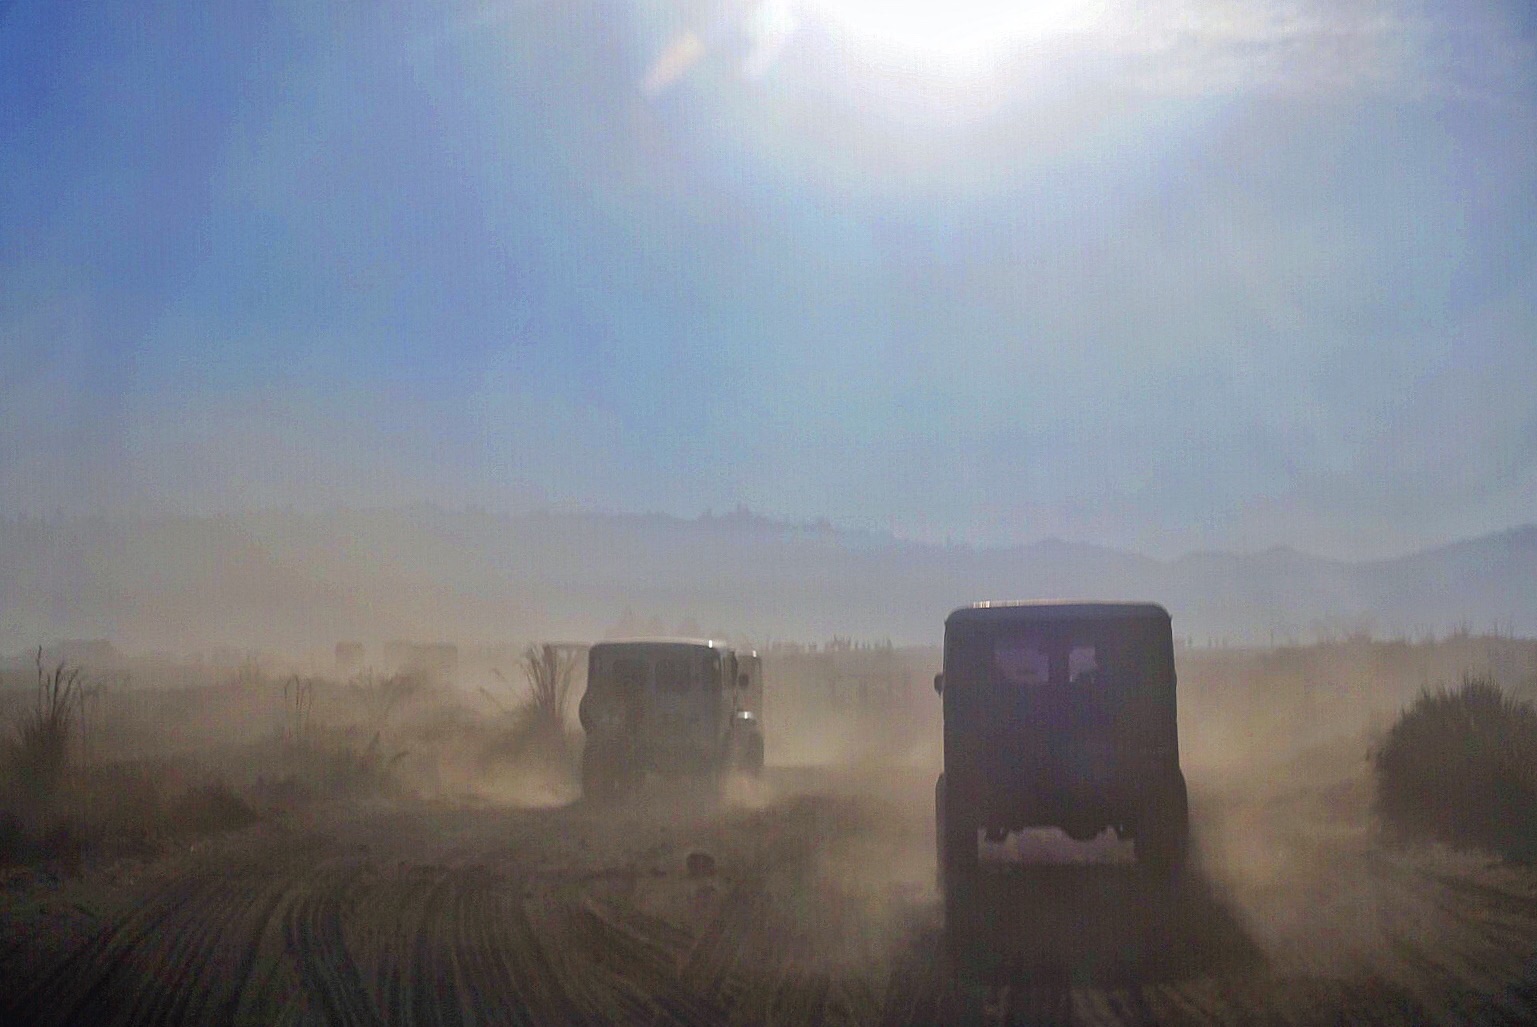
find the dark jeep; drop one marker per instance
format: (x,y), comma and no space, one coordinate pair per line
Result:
(669,706)
(1058,715)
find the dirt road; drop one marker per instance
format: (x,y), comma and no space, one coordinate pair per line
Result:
(809,900)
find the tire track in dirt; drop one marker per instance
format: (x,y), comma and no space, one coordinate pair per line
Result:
(1462,953)
(243,967)
(183,954)
(711,963)
(477,957)
(1126,1006)
(465,928)
(187,945)
(592,977)
(484,982)
(692,977)
(312,927)
(190,952)
(1219,1000)
(1498,934)
(653,970)
(211,946)
(784,976)
(638,963)
(91,983)
(506,966)
(396,907)
(434,992)
(1488,897)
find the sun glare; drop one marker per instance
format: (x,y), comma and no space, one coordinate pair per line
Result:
(966,31)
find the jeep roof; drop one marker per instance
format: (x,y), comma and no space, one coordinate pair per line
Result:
(709,643)
(1017,610)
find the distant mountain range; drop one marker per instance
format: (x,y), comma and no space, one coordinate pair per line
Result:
(290,581)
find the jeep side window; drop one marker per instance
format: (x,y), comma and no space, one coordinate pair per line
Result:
(673,674)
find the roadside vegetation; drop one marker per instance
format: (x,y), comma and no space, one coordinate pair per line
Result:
(133,757)
(349,748)
(60,802)
(93,767)
(535,749)
(1460,767)
(91,771)
(39,753)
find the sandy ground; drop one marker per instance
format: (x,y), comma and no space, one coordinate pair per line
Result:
(805,898)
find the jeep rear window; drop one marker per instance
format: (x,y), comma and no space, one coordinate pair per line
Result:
(1021,661)
(1082,665)
(1025,661)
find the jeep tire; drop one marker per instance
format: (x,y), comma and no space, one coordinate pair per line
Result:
(1163,827)
(750,758)
(605,774)
(955,829)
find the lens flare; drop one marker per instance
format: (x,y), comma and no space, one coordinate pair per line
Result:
(755,33)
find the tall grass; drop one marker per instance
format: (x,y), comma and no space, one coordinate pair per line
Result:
(1460,766)
(549,670)
(39,751)
(536,731)
(298,710)
(332,760)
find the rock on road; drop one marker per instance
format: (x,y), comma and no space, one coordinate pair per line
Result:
(808,901)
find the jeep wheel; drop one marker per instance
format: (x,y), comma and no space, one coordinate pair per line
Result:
(603,772)
(744,754)
(955,829)
(752,756)
(1163,830)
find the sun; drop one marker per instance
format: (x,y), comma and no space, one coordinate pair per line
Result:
(966,31)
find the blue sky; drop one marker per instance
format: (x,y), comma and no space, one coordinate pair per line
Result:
(1189,274)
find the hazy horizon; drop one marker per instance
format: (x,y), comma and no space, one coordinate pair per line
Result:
(290,580)
(1196,275)
(740,515)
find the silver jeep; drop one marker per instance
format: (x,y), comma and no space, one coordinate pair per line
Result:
(669,706)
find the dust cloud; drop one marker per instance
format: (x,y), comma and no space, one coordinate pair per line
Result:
(823,867)
(1290,874)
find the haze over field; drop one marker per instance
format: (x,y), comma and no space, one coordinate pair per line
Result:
(1166,277)
(291,581)
(359,362)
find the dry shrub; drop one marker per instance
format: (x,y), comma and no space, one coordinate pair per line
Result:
(348,760)
(1460,767)
(298,710)
(531,754)
(210,808)
(380,697)
(39,753)
(119,810)
(37,760)
(336,763)
(549,670)
(537,723)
